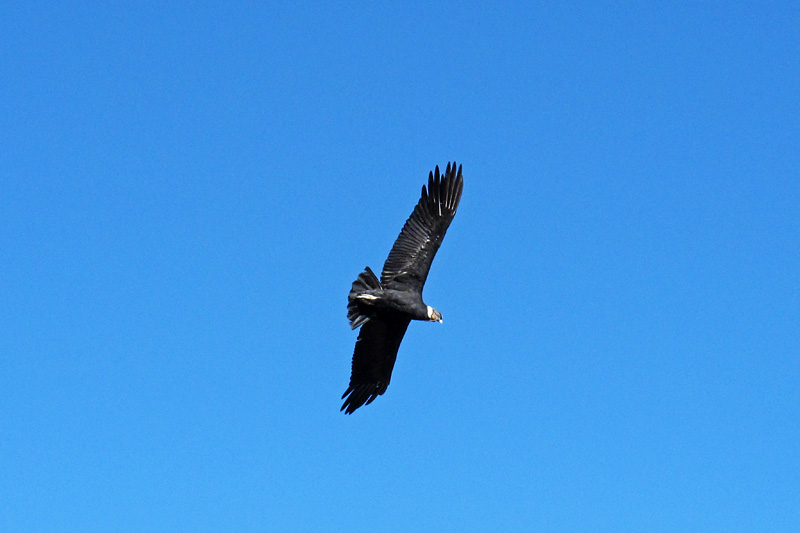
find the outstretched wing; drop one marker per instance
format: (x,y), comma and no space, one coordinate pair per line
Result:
(373,360)
(412,254)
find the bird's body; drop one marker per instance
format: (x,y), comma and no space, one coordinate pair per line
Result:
(390,301)
(384,308)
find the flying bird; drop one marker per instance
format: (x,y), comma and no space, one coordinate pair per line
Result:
(384,308)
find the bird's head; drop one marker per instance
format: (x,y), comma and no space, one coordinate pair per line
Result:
(434,315)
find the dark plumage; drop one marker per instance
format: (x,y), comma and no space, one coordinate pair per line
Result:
(383,308)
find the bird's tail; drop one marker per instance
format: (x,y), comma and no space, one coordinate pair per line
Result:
(364,287)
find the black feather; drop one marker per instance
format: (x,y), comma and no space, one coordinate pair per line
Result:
(408,263)
(373,361)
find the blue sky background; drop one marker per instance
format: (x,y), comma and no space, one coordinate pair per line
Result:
(189,190)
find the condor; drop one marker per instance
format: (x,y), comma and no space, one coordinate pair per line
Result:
(384,308)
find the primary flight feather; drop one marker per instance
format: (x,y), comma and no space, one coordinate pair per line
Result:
(384,308)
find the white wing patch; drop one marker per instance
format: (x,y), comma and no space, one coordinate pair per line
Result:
(367,297)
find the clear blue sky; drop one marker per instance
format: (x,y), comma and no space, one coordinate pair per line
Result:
(187,193)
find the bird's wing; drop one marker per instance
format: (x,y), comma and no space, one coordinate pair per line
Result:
(412,254)
(373,360)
